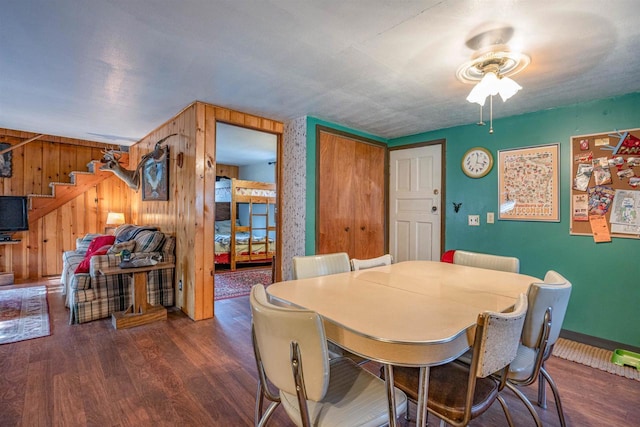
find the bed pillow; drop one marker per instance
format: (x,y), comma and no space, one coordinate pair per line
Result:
(224,226)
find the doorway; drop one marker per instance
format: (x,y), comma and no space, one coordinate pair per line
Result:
(416,192)
(245,224)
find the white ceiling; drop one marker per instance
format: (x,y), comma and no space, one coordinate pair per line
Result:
(241,146)
(113,70)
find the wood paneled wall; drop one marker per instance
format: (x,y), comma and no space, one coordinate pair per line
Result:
(34,166)
(189,213)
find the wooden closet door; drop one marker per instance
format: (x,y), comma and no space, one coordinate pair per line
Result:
(350,192)
(369,212)
(335,204)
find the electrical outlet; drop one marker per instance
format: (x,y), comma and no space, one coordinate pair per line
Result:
(490,217)
(180,285)
(474,220)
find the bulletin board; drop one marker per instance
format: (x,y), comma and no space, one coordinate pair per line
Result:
(605,184)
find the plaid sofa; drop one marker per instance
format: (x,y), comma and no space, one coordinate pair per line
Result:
(92,296)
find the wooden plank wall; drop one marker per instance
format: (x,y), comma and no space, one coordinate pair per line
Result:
(34,166)
(189,213)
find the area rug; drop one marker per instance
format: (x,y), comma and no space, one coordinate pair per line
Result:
(594,357)
(238,283)
(24,314)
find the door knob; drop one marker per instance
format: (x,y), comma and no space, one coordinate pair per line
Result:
(434,209)
(435,191)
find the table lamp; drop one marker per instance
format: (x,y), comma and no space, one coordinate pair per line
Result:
(114,219)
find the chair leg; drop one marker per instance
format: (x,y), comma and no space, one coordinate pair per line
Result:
(505,409)
(542,392)
(526,402)
(556,395)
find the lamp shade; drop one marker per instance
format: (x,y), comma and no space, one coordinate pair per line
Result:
(115,218)
(491,85)
(508,88)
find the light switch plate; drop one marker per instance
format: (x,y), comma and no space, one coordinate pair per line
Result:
(490,217)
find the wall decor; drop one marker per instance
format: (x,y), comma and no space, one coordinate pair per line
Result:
(477,162)
(5,161)
(605,184)
(155,177)
(528,183)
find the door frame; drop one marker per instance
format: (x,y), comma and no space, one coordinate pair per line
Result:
(276,267)
(385,192)
(443,182)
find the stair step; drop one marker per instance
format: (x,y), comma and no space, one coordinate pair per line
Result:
(42,204)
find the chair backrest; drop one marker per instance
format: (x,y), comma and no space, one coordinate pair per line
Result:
(491,262)
(362,264)
(320,265)
(275,329)
(554,293)
(497,338)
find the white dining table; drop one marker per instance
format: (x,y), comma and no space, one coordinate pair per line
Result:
(412,313)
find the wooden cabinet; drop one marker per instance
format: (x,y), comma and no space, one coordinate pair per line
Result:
(351,195)
(227,171)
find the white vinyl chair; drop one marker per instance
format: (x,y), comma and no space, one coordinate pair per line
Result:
(320,265)
(362,264)
(488,261)
(547,306)
(305,267)
(459,392)
(291,355)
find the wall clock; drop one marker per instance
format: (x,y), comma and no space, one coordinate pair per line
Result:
(477,162)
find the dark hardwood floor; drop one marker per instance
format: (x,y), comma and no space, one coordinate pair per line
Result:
(184,373)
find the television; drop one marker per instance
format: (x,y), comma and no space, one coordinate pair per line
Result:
(13,214)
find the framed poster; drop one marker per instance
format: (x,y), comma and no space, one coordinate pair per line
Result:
(5,161)
(155,178)
(528,183)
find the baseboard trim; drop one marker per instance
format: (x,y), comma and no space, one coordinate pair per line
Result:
(596,342)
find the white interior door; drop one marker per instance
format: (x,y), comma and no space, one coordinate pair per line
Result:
(414,203)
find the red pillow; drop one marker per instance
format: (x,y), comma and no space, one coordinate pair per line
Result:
(448,256)
(99,242)
(98,246)
(83,267)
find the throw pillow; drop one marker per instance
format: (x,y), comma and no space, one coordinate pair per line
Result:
(119,247)
(96,245)
(99,242)
(149,241)
(84,265)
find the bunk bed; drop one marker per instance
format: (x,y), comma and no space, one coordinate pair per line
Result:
(255,239)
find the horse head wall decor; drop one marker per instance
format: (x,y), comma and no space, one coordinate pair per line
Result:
(111,162)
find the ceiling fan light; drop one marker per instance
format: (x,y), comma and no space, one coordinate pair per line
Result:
(477,95)
(508,88)
(490,83)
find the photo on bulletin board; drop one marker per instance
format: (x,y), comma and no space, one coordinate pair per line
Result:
(528,183)
(605,185)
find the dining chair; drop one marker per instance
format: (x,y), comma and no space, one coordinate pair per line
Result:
(547,306)
(305,267)
(491,262)
(459,392)
(362,264)
(291,356)
(320,265)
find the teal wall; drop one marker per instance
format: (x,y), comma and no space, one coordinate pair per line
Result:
(605,300)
